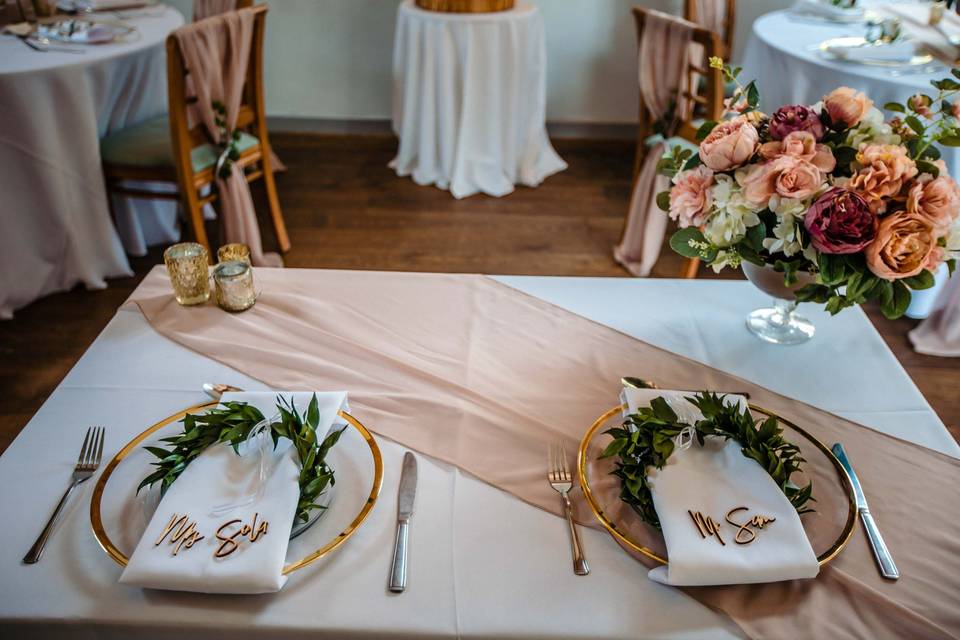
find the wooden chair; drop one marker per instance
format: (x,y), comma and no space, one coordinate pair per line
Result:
(729,21)
(168,150)
(14,11)
(704,94)
(206,8)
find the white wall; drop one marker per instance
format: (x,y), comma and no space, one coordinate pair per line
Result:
(330,59)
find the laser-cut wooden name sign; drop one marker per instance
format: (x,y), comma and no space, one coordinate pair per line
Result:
(181,533)
(746,532)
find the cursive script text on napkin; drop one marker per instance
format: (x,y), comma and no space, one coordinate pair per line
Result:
(756,521)
(706,525)
(184,531)
(229,544)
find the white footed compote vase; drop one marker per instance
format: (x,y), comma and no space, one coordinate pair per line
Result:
(779,324)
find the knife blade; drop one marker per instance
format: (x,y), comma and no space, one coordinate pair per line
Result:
(888,569)
(406,495)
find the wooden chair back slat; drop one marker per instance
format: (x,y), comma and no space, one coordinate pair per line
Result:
(729,22)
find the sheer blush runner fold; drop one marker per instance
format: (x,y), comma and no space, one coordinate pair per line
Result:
(474,373)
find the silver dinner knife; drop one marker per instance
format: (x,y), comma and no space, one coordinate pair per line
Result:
(884,560)
(405,496)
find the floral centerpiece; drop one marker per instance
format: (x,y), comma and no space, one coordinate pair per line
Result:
(847,206)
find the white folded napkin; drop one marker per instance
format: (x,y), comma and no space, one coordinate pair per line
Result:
(713,480)
(221,486)
(900,51)
(828,11)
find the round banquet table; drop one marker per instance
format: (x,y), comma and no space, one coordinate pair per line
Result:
(469,102)
(54,107)
(782,56)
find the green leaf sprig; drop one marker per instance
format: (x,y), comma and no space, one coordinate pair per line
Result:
(232,424)
(646,438)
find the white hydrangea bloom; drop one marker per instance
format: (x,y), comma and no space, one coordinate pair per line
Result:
(732,214)
(725,258)
(786,234)
(873,130)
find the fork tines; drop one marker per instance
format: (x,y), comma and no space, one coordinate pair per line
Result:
(92,451)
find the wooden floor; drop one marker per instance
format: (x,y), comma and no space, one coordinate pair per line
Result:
(345,209)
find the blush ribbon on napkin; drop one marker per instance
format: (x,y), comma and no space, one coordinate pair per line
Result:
(228,496)
(707,499)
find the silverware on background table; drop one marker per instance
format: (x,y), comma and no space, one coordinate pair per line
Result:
(405,498)
(560,478)
(884,559)
(43,45)
(639,383)
(90,455)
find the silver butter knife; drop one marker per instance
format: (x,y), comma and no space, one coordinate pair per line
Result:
(405,497)
(884,560)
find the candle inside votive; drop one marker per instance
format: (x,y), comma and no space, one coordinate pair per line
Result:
(233,281)
(234,251)
(187,265)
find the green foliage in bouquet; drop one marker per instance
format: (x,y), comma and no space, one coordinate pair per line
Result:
(861,237)
(646,439)
(232,424)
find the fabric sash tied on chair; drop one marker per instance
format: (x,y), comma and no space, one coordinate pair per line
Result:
(939,335)
(216,52)
(663,61)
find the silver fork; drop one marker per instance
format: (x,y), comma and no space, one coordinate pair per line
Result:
(87,463)
(558,474)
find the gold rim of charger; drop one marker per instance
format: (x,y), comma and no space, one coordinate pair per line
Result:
(623,538)
(120,558)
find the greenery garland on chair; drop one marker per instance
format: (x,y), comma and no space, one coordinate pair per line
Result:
(232,423)
(646,439)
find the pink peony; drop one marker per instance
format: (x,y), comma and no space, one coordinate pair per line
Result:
(730,144)
(904,246)
(846,107)
(803,146)
(885,168)
(690,197)
(795,117)
(785,175)
(840,222)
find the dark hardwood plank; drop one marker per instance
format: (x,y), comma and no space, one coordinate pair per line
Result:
(345,209)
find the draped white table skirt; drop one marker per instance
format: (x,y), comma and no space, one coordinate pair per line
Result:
(469,100)
(54,108)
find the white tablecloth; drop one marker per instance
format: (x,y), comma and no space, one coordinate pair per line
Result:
(469,100)
(482,564)
(54,108)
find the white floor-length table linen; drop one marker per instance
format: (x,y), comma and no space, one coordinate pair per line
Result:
(469,100)
(482,563)
(55,224)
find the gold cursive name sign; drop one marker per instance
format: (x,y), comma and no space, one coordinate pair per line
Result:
(746,532)
(182,533)
(229,544)
(757,521)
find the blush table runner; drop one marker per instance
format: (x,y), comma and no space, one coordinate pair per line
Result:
(477,374)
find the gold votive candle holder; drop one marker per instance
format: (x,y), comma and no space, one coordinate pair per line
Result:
(187,265)
(233,281)
(234,251)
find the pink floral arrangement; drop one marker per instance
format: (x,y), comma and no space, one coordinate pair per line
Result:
(863,204)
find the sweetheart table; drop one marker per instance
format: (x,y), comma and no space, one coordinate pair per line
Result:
(475,550)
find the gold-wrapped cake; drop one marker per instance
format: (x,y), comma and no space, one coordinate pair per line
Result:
(466,6)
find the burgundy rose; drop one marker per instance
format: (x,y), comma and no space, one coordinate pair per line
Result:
(840,221)
(795,117)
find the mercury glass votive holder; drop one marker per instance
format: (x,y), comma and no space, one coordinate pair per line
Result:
(187,265)
(233,281)
(234,251)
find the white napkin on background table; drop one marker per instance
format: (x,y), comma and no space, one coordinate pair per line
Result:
(205,490)
(714,479)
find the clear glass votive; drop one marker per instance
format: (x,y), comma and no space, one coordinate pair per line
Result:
(234,251)
(187,265)
(233,281)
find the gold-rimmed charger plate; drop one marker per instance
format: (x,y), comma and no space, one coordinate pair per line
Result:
(829,528)
(832,49)
(128,510)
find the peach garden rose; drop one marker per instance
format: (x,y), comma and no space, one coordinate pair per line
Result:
(904,246)
(884,170)
(846,107)
(937,200)
(690,197)
(730,145)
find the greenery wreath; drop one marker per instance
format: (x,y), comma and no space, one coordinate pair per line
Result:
(232,423)
(646,438)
